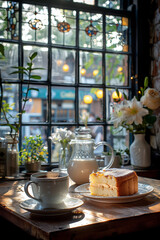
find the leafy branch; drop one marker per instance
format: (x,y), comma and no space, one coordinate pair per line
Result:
(6,108)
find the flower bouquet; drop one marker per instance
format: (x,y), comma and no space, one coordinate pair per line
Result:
(62,136)
(137,116)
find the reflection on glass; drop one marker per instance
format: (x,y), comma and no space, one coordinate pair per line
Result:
(116,69)
(10,60)
(36,107)
(118,138)
(91,104)
(87,40)
(63,26)
(10,96)
(90,2)
(112,99)
(35,130)
(34,23)
(41,61)
(90,67)
(109,3)
(63,66)
(63,109)
(117,33)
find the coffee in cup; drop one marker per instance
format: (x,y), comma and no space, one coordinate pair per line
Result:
(49,188)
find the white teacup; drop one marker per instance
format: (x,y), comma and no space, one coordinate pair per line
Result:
(49,190)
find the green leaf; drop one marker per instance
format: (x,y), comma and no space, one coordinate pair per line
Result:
(34,89)
(117,91)
(17,72)
(35,77)
(38,69)
(11,126)
(125,96)
(25,100)
(20,68)
(145,83)
(30,65)
(33,56)
(2,49)
(150,119)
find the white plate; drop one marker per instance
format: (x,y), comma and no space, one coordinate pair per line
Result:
(35,207)
(143,190)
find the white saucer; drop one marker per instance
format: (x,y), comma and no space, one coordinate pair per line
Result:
(143,190)
(35,207)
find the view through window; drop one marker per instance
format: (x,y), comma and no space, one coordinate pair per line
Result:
(84,54)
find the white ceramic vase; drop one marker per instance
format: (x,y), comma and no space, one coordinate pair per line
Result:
(140,152)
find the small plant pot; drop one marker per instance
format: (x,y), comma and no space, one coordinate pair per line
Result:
(33,167)
(116,163)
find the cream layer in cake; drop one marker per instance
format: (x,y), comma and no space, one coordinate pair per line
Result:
(113,182)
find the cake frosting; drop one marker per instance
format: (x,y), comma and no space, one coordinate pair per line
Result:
(114,182)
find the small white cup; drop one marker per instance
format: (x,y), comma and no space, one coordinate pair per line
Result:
(48,191)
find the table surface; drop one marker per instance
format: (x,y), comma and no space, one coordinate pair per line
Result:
(93,220)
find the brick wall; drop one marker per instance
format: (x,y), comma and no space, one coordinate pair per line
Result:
(155,59)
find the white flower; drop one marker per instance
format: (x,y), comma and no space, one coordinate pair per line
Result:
(151,98)
(84,118)
(134,112)
(62,135)
(117,116)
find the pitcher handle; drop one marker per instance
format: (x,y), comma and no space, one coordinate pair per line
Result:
(112,151)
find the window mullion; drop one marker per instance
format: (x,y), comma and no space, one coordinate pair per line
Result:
(77,72)
(104,76)
(49,112)
(20,63)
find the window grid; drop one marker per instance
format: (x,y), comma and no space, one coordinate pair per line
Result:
(77,83)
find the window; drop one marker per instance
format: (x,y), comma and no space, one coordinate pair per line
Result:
(85,52)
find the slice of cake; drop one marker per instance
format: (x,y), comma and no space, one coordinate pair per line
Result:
(113,182)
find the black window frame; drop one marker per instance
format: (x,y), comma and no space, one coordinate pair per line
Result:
(78,7)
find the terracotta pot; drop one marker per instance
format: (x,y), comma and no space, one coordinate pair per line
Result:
(33,166)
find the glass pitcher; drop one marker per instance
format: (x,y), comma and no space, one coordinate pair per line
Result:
(83,162)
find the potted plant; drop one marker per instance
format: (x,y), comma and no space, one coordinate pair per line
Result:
(120,155)
(33,153)
(14,121)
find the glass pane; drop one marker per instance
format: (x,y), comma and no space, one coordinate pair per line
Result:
(63,26)
(91,28)
(10,60)
(116,69)
(34,23)
(35,130)
(118,139)
(41,61)
(117,33)
(90,2)
(90,68)
(115,4)
(112,99)
(9,20)
(63,66)
(10,96)
(63,104)
(92,103)
(55,148)
(36,107)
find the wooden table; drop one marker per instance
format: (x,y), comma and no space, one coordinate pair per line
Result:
(94,221)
